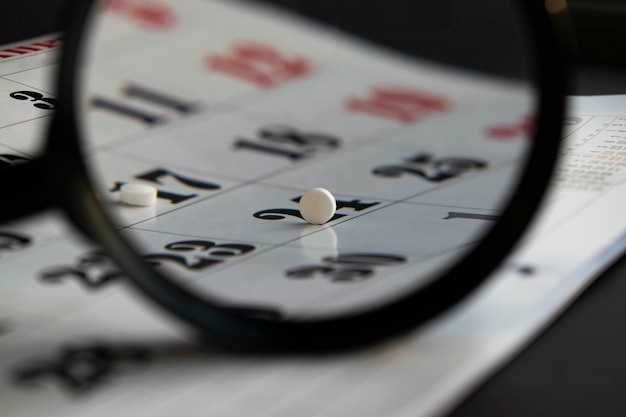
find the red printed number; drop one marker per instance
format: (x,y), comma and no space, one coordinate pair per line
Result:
(405,105)
(511,131)
(148,14)
(258,63)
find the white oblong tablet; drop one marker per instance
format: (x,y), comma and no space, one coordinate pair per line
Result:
(317,206)
(138,194)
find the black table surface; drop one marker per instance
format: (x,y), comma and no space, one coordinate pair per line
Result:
(576,367)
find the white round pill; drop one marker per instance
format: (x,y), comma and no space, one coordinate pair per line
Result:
(138,194)
(317,206)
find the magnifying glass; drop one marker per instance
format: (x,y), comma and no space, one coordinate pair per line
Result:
(189,132)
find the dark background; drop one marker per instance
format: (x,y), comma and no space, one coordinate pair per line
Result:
(577,366)
(21,19)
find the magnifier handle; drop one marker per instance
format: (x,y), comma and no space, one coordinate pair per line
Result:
(23,191)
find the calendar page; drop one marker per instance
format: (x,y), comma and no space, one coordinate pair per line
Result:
(76,341)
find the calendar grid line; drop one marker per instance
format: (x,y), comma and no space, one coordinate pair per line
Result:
(22,122)
(26,85)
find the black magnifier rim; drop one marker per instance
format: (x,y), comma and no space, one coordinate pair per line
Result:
(226,328)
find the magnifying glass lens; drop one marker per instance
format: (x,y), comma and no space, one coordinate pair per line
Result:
(203,124)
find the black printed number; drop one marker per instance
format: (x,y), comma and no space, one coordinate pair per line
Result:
(195,255)
(80,369)
(38,99)
(349,267)
(93,270)
(282,213)
(157,175)
(288,142)
(431,169)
